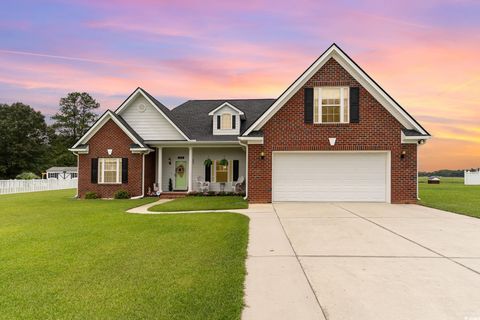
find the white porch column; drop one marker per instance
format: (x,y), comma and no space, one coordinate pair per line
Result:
(159,168)
(190,168)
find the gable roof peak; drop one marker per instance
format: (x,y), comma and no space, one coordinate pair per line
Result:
(163,110)
(335,52)
(109,115)
(223,105)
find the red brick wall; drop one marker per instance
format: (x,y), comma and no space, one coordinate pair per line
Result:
(377,130)
(110,136)
(150,162)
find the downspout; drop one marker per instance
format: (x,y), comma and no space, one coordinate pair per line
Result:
(246,169)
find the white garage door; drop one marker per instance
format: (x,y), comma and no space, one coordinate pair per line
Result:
(331,176)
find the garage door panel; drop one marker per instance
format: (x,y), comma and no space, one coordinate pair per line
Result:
(329,176)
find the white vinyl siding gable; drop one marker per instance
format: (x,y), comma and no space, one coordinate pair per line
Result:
(148,122)
(234,128)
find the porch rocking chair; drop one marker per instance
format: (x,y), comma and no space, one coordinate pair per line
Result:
(203,186)
(237,186)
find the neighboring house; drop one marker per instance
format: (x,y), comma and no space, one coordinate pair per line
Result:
(333,135)
(62,173)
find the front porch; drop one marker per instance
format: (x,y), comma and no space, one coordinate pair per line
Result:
(182,169)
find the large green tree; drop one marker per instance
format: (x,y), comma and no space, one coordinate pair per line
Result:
(23,140)
(58,150)
(76,115)
(71,122)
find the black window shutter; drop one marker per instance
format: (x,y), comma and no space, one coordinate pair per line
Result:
(94,170)
(124,170)
(354,104)
(308,105)
(208,173)
(218,122)
(234,121)
(235,170)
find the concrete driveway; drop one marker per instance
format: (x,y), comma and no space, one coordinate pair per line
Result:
(361,261)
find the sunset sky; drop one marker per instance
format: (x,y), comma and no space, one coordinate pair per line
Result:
(426,54)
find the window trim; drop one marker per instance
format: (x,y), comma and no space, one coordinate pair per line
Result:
(317,119)
(101,176)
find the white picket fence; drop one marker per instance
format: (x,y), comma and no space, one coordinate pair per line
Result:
(472,177)
(18,186)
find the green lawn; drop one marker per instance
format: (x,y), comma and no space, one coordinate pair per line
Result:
(202,203)
(62,258)
(451,195)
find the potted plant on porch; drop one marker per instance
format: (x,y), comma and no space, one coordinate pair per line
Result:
(208,162)
(223,162)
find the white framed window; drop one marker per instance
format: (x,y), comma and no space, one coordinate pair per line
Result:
(73,175)
(221,172)
(226,121)
(331,105)
(53,175)
(110,170)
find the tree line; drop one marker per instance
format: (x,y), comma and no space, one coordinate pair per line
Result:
(444,173)
(29,146)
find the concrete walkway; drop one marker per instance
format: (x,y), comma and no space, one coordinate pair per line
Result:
(360,261)
(276,285)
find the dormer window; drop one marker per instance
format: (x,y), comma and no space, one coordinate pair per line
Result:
(226,119)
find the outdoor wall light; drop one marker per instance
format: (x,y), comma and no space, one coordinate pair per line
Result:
(402,155)
(262,155)
(332,141)
(109,151)
(169,161)
(421,141)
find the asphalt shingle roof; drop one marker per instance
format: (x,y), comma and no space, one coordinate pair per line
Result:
(194,119)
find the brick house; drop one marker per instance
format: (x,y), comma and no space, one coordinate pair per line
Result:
(333,135)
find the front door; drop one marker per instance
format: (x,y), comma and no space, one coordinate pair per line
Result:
(180,175)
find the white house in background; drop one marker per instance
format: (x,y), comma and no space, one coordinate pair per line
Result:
(472,178)
(62,173)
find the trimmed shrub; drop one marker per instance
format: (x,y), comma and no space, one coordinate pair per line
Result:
(27,176)
(121,194)
(91,195)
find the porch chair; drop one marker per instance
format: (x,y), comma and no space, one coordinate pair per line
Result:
(237,186)
(202,186)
